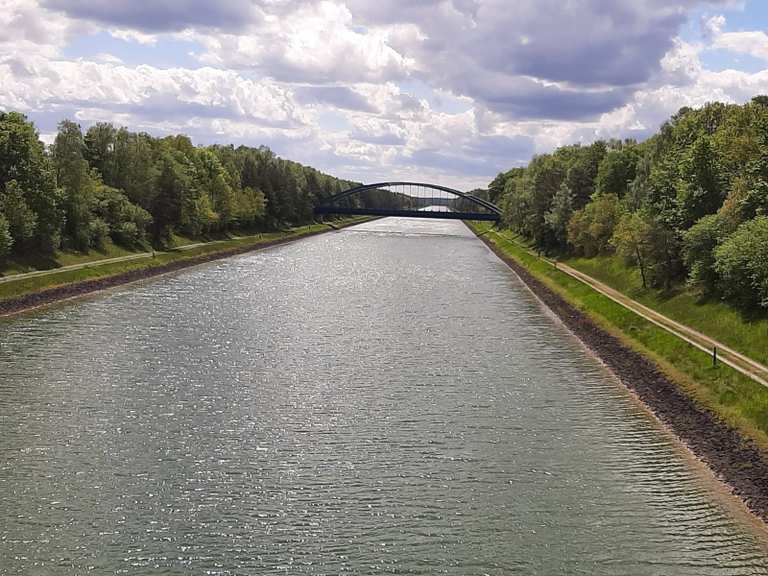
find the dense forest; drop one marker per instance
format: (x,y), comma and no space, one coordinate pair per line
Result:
(690,204)
(133,189)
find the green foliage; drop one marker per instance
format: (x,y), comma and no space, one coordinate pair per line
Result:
(74,177)
(115,183)
(630,239)
(23,159)
(742,263)
(617,170)
(684,191)
(20,219)
(497,186)
(250,206)
(128,223)
(583,168)
(643,239)
(591,228)
(560,214)
(6,239)
(699,243)
(98,233)
(699,191)
(174,202)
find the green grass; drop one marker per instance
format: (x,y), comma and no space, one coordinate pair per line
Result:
(22,264)
(712,317)
(740,401)
(21,287)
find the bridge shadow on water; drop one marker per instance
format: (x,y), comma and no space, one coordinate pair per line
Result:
(405,233)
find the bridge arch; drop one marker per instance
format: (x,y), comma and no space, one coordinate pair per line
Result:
(411,199)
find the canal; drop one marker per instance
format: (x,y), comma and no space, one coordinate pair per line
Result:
(384,399)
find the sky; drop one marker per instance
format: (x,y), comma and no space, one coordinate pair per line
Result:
(445,91)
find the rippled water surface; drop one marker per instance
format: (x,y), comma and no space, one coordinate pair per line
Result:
(384,399)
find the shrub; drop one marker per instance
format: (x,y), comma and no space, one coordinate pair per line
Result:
(98,231)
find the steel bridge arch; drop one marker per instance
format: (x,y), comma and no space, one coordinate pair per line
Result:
(327,203)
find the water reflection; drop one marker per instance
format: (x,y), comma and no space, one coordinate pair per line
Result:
(377,400)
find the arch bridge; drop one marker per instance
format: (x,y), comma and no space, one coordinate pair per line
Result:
(410,199)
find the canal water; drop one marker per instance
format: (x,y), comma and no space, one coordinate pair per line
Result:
(384,399)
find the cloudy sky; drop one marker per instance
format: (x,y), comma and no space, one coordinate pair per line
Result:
(450,91)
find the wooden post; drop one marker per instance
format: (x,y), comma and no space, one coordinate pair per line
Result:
(714,356)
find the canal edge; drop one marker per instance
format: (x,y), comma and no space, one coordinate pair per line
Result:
(77,290)
(731,459)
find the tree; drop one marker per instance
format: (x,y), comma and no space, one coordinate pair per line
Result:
(136,167)
(617,170)
(583,170)
(631,240)
(560,214)
(127,222)
(699,192)
(22,158)
(6,240)
(20,219)
(172,185)
(498,184)
(643,239)
(591,228)
(100,150)
(547,173)
(211,181)
(699,244)
(742,263)
(250,206)
(73,175)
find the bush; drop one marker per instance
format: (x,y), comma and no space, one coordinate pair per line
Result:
(741,261)
(98,230)
(127,221)
(127,234)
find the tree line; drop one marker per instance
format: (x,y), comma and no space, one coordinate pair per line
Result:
(133,189)
(688,204)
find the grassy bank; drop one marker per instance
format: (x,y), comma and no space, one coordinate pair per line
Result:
(737,400)
(22,264)
(12,289)
(711,317)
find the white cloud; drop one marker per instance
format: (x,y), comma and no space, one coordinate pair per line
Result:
(355,87)
(145,91)
(314,43)
(28,30)
(107,57)
(750,42)
(129,35)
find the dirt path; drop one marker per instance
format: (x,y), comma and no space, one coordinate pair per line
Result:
(127,258)
(94,263)
(751,368)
